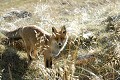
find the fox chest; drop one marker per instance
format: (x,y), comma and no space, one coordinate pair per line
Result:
(55,50)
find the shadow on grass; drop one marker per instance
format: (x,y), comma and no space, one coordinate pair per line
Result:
(11,66)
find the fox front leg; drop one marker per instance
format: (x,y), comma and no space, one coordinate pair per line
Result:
(47,58)
(48,62)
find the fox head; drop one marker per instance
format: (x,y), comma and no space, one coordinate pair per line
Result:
(58,39)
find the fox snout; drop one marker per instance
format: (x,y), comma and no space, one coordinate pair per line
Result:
(60,44)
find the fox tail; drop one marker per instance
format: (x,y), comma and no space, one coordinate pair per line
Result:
(15,35)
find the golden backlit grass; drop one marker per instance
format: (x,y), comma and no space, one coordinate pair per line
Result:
(98,60)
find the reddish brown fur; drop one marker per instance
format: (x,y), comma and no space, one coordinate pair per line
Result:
(36,39)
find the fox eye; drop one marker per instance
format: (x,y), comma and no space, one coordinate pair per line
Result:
(64,32)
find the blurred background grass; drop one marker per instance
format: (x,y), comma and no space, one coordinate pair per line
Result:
(97,58)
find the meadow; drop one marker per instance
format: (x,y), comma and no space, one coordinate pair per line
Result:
(92,26)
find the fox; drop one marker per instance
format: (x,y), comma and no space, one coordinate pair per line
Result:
(38,41)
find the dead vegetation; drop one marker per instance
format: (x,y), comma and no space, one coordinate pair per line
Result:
(94,49)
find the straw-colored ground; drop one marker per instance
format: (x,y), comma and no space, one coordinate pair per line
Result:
(94,54)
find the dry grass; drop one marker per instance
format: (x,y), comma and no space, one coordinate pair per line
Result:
(93,58)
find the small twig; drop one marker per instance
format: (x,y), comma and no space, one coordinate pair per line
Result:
(96,77)
(10,73)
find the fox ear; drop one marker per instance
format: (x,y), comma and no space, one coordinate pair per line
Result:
(63,29)
(54,30)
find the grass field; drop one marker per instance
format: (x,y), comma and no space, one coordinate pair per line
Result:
(95,54)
